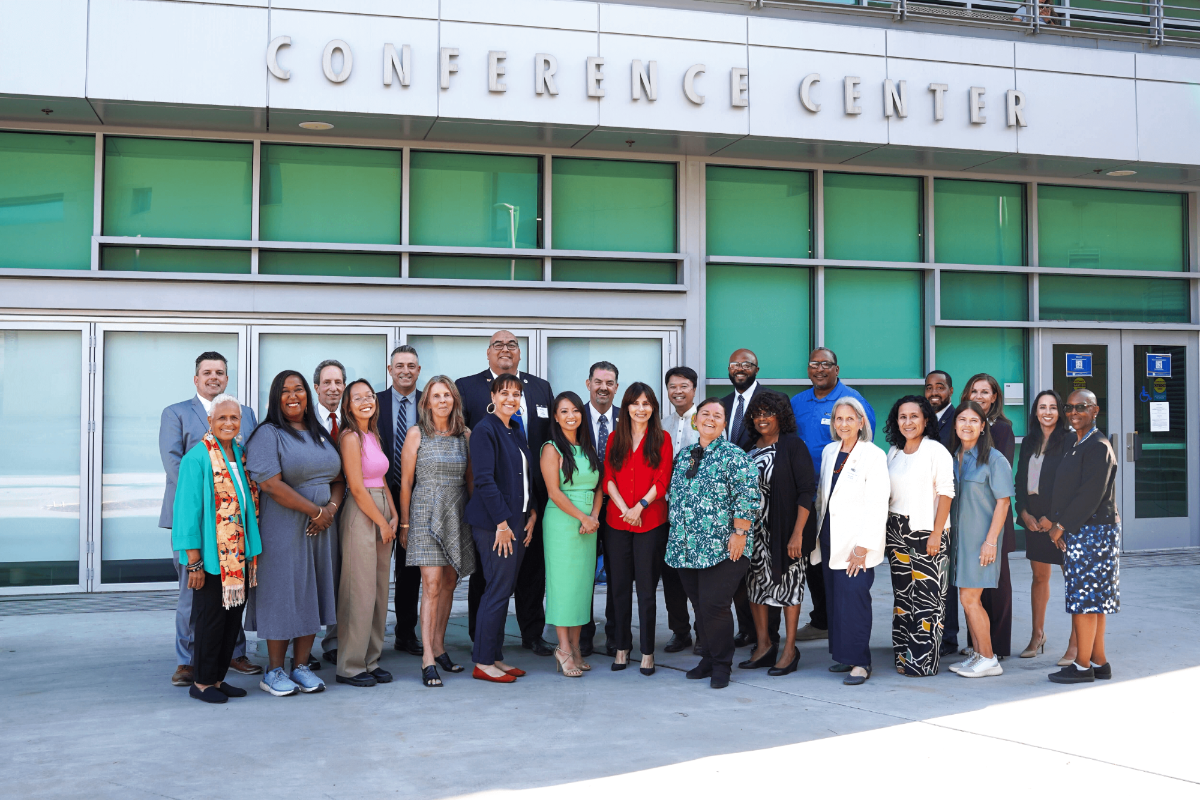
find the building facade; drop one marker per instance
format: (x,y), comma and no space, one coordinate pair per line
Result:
(976,188)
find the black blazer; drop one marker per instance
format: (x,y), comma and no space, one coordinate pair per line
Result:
(793,486)
(747,438)
(1038,505)
(477,396)
(387,423)
(1085,488)
(946,428)
(499,475)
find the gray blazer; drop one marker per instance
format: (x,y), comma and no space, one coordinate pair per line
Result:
(182,427)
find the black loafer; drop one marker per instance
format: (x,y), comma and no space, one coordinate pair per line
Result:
(696,649)
(841,668)
(770,658)
(314,663)
(229,690)
(718,681)
(586,649)
(678,644)
(1103,673)
(412,646)
(361,679)
(701,670)
(330,656)
(610,650)
(381,675)
(948,649)
(1069,674)
(744,640)
(210,695)
(856,680)
(539,646)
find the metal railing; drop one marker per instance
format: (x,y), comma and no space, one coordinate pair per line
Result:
(1155,22)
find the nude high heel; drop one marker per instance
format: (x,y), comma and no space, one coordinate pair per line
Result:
(1040,647)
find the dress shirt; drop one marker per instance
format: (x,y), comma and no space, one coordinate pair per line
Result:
(326,416)
(596,415)
(680,428)
(814,416)
(746,396)
(410,418)
(206,403)
(633,481)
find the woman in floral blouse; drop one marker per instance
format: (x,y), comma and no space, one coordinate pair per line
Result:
(713,500)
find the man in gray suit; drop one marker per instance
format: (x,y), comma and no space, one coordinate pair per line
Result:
(182,427)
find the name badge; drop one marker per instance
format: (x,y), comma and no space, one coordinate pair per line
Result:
(543,412)
(825,422)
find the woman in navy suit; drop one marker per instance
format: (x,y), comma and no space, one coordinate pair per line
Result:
(502,504)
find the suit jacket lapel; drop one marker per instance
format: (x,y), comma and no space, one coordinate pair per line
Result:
(198,407)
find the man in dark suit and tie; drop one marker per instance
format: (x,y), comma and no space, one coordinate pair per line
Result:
(329,383)
(182,427)
(504,355)
(397,413)
(939,391)
(602,416)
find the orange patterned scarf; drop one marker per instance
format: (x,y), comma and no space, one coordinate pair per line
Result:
(236,576)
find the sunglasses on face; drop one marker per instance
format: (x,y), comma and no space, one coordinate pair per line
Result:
(1080,407)
(694,467)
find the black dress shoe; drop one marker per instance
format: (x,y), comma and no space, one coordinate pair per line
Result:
(412,646)
(678,643)
(361,679)
(381,675)
(586,649)
(210,695)
(696,649)
(610,650)
(744,639)
(775,672)
(770,658)
(314,663)
(702,670)
(330,656)
(948,649)
(539,646)
(841,668)
(718,681)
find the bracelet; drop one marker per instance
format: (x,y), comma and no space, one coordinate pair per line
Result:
(404,525)
(988,544)
(199,565)
(318,516)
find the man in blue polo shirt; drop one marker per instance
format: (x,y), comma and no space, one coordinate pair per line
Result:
(813,409)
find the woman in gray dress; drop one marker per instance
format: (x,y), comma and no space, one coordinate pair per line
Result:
(298,471)
(435,479)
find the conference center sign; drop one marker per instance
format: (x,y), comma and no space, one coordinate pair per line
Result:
(847,95)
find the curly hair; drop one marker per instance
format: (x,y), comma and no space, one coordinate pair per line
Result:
(775,405)
(891,428)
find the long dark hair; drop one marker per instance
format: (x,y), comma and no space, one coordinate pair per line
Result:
(997,410)
(1034,435)
(349,423)
(983,447)
(620,444)
(891,428)
(275,410)
(583,436)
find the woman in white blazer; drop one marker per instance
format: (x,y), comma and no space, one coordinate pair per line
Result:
(852,510)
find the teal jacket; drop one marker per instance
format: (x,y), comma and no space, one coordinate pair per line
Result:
(194,514)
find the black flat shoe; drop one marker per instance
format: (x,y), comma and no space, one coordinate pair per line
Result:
(841,668)
(701,670)
(678,644)
(539,646)
(744,639)
(775,672)
(429,675)
(610,650)
(718,681)
(314,663)
(1069,674)
(771,657)
(948,649)
(586,649)
(362,679)
(330,656)
(229,690)
(381,675)
(445,663)
(210,695)
(411,646)
(1103,673)
(857,680)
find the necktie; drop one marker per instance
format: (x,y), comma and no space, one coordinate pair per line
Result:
(735,433)
(519,420)
(401,431)
(333,426)
(603,444)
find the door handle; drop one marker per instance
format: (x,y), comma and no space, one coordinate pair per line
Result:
(1133,446)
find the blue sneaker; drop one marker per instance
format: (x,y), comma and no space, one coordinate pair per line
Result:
(308,683)
(277,682)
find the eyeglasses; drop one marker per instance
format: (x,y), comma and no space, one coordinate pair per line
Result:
(822,364)
(362,398)
(1080,407)
(742,365)
(694,467)
(763,415)
(506,345)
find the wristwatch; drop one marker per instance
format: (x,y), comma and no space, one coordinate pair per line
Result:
(644,503)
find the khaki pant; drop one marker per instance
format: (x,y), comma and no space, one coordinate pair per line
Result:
(362,605)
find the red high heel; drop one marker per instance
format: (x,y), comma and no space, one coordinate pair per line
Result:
(480,675)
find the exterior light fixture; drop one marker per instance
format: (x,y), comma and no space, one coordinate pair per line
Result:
(1122,173)
(316,126)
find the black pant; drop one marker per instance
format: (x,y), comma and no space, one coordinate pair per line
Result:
(588,632)
(998,604)
(711,592)
(950,626)
(819,617)
(675,599)
(408,589)
(745,619)
(631,556)
(530,589)
(216,632)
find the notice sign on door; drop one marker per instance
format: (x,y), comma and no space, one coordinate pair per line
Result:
(1079,365)
(1158,365)
(1160,417)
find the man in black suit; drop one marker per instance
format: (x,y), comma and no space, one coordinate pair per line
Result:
(939,391)
(739,429)
(602,385)
(504,355)
(397,413)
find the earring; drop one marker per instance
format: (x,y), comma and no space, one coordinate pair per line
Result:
(694,423)
(491,409)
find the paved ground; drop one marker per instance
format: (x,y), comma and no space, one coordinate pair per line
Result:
(86,710)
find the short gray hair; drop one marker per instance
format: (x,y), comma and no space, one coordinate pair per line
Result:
(865,434)
(329,362)
(224,398)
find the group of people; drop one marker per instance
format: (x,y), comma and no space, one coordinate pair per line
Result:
(736,504)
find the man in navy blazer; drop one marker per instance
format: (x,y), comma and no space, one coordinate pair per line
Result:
(504,355)
(602,385)
(182,427)
(404,369)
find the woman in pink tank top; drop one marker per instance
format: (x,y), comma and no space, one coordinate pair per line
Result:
(367,525)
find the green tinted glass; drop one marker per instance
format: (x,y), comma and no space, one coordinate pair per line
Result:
(588,271)
(473,268)
(1111,228)
(985,296)
(330,194)
(881,399)
(174,259)
(176,188)
(350,265)
(782,346)
(873,321)
(1066,297)
(46,200)
(613,205)
(979,222)
(475,200)
(759,212)
(872,217)
(1000,352)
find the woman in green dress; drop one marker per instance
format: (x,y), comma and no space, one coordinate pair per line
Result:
(571,469)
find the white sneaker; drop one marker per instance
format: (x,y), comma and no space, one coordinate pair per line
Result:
(973,658)
(981,668)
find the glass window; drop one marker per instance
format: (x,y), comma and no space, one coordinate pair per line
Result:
(984,296)
(614,205)
(41,378)
(330,194)
(349,265)
(758,212)
(1160,473)
(475,268)
(1000,352)
(363,356)
(874,320)
(881,399)
(177,188)
(589,271)
(872,217)
(1066,297)
(144,372)
(1111,228)
(782,346)
(174,259)
(46,200)
(636,360)
(457,356)
(475,200)
(979,222)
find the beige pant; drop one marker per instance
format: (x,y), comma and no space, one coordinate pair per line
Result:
(362,603)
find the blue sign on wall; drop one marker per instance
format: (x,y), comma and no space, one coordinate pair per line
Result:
(1079,365)
(1158,365)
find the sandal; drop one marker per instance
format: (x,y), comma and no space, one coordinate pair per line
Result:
(579,662)
(430,677)
(445,663)
(560,665)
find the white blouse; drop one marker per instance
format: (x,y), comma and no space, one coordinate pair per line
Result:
(917,482)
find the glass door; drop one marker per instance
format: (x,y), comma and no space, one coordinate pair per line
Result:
(459,352)
(639,355)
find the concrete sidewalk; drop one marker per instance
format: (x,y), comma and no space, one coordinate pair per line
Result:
(86,709)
